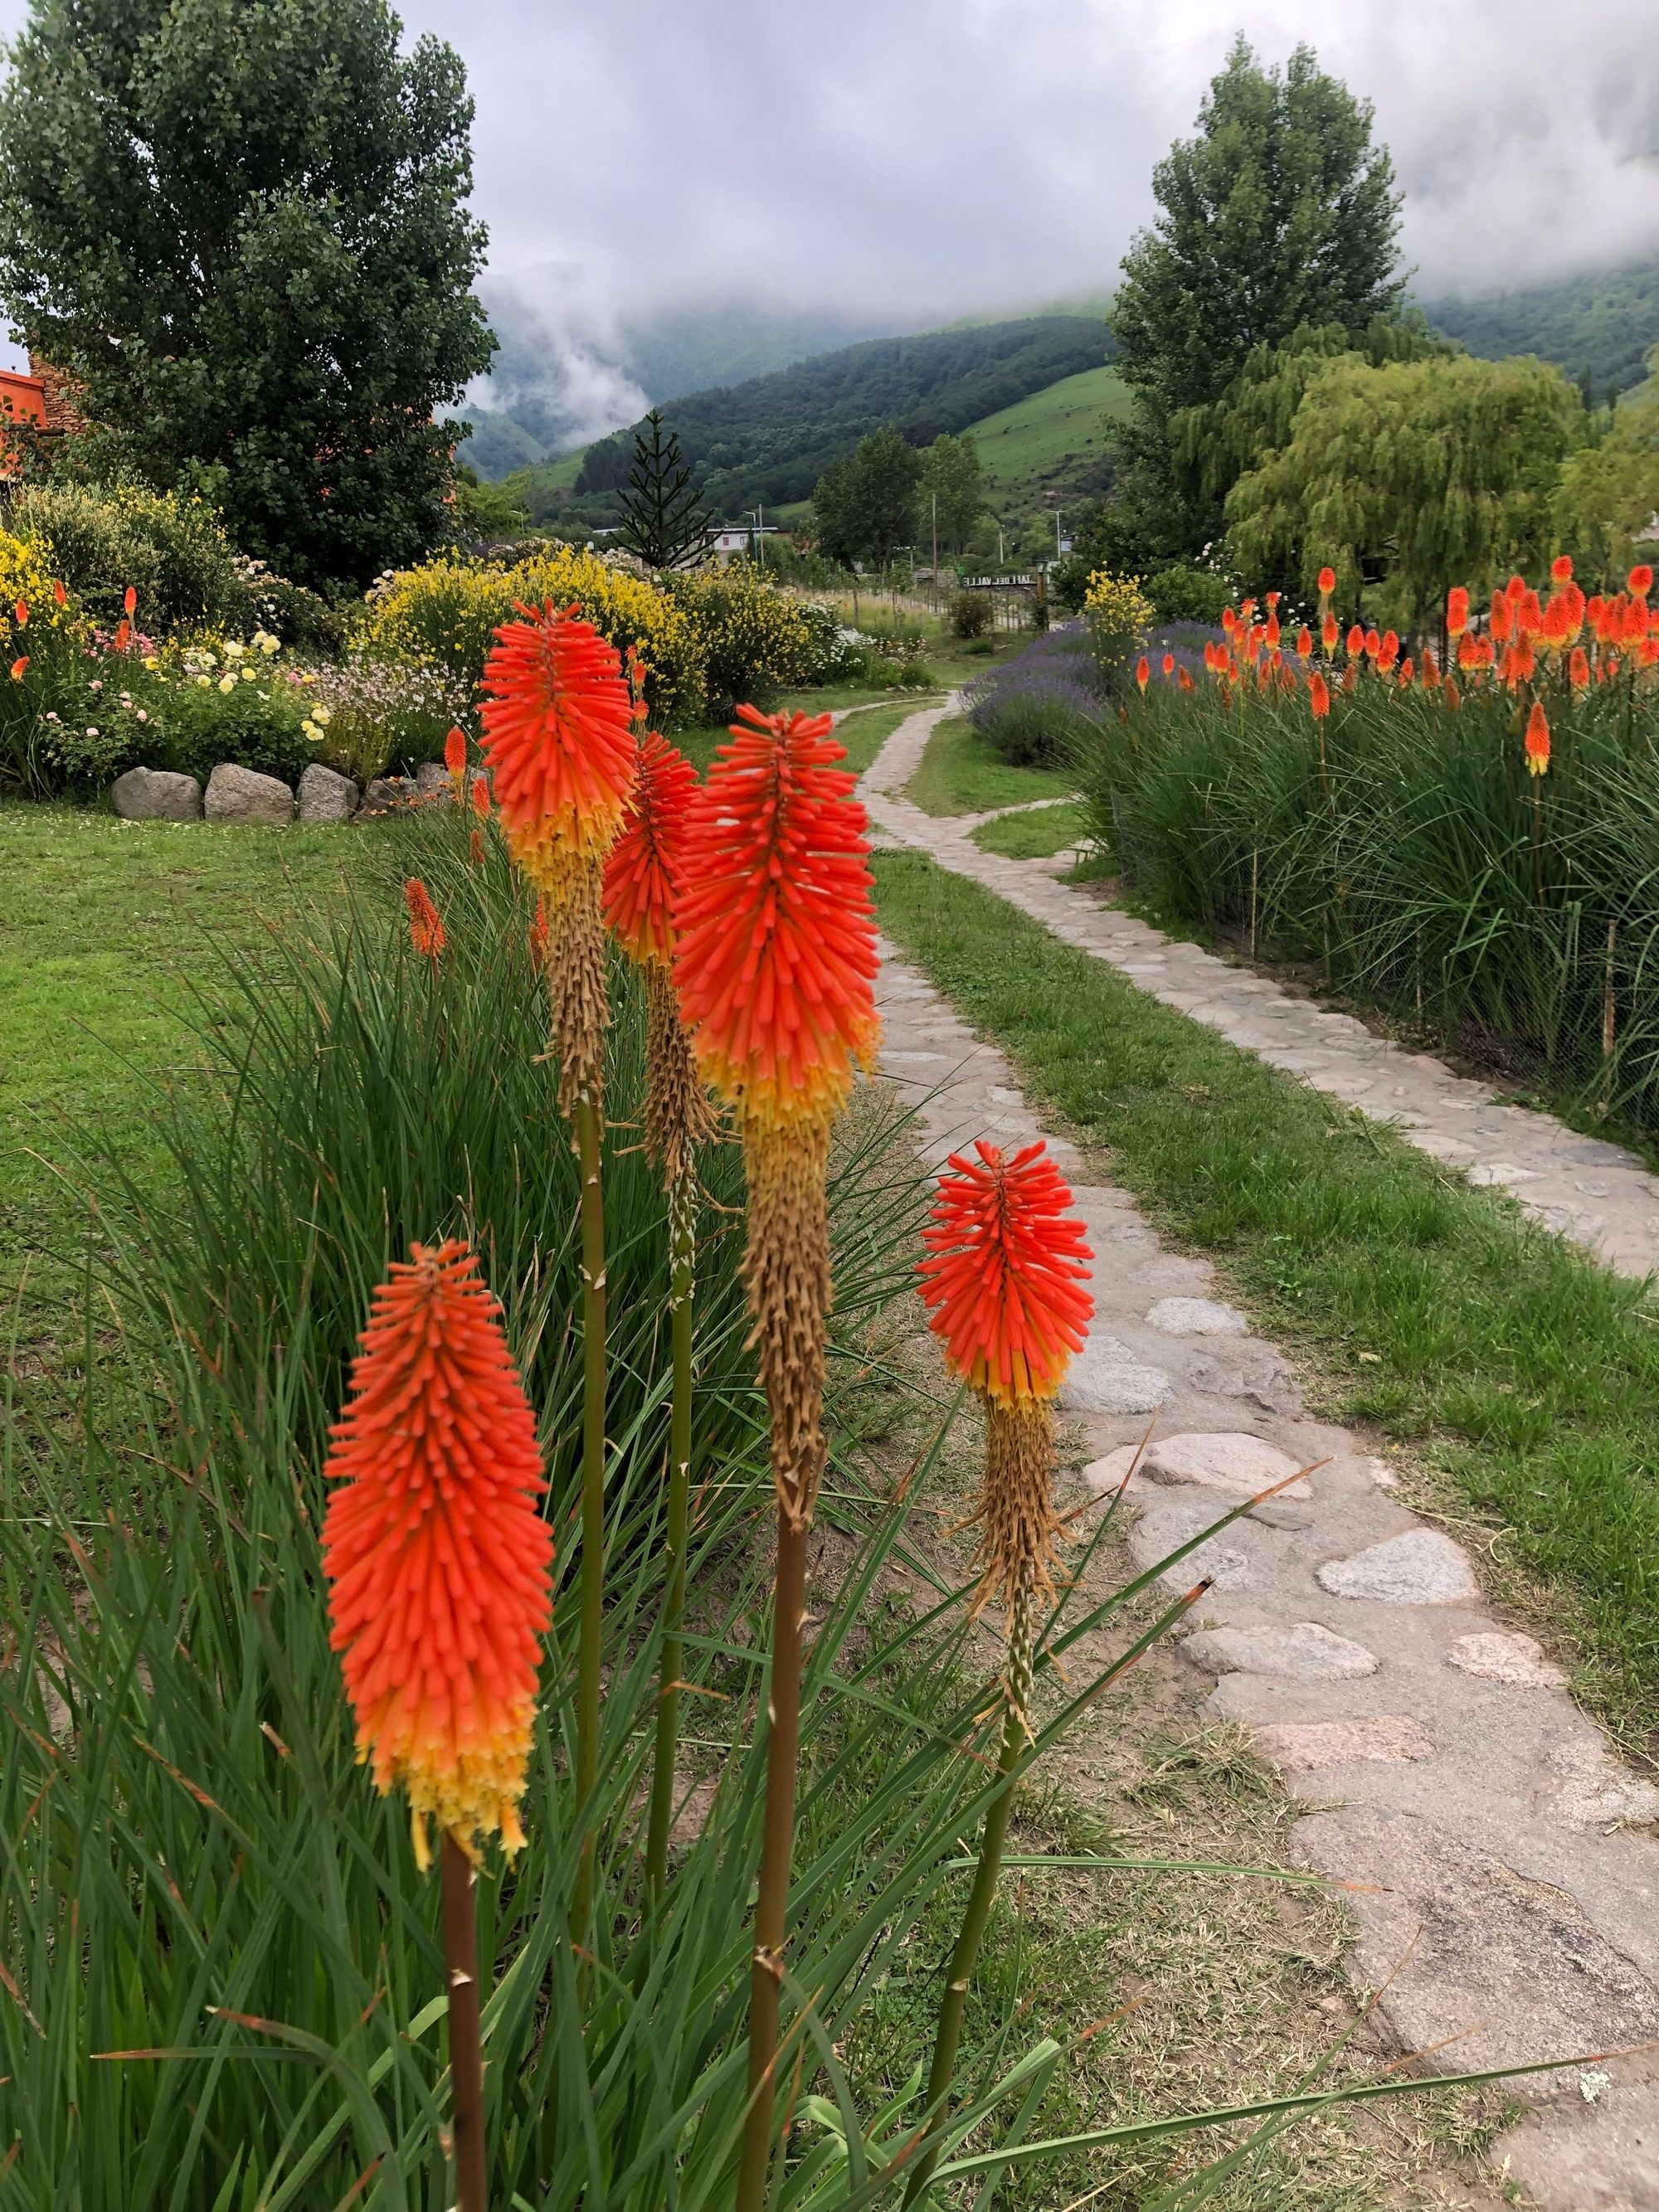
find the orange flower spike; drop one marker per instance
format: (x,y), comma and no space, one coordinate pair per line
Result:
(1501,623)
(1210,656)
(1247,611)
(557,738)
(1388,649)
(1327,582)
(1405,672)
(1538,740)
(1373,643)
(455,753)
(1183,680)
(776,947)
(1304,643)
(1579,669)
(1273,599)
(1515,590)
(1431,669)
(1457,611)
(1169,665)
(1319,696)
(1143,674)
(642,873)
(1270,630)
(1561,568)
(475,848)
(435,1553)
(1004,1273)
(1355,642)
(1229,620)
(1329,631)
(18,667)
(1351,676)
(122,634)
(1468,650)
(59,594)
(481,798)
(541,940)
(21,612)
(1640,582)
(426,928)
(1450,693)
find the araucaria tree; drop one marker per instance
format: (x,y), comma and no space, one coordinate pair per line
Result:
(1281,212)
(663,519)
(240,226)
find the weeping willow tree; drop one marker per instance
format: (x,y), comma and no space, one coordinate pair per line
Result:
(1607,501)
(1414,476)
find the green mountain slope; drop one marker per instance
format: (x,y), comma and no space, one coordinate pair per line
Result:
(1599,327)
(770,439)
(1054,440)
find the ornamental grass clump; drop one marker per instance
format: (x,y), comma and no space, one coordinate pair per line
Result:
(438,1563)
(642,875)
(1005,1281)
(559,742)
(775,963)
(1459,826)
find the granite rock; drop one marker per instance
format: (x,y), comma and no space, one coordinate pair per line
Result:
(157,795)
(242,794)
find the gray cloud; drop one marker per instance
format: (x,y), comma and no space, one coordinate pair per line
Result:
(915,160)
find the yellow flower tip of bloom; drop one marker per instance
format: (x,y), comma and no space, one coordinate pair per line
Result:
(151,660)
(203,681)
(249,675)
(225,683)
(322,715)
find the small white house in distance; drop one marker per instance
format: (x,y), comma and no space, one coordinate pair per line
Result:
(731,541)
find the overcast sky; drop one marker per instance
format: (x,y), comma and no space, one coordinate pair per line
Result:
(924,158)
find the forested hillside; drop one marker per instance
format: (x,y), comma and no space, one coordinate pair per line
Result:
(771,439)
(1599,327)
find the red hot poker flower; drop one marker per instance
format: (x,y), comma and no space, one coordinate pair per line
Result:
(130,600)
(1355,642)
(1319,696)
(1538,740)
(1578,668)
(1004,1273)
(1327,582)
(1457,611)
(481,798)
(643,870)
(436,1555)
(18,667)
(559,742)
(1640,582)
(20,613)
(1142,673)
(776,946)
(455,753)
(426,928)
(1561,568)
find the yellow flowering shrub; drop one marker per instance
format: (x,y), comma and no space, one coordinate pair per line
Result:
(754,639)
(447,610)
(1117,614)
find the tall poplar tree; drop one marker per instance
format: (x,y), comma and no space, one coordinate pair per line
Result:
(1281,212)
(240,227)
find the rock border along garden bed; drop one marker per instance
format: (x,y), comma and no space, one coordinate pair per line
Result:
(1508,1859)
(244,796)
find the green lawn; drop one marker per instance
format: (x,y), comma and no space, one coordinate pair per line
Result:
(105,924)
(962,773)
(1047,435)
(1517,1371)
(1034,837)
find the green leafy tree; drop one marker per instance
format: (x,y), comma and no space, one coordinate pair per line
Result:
(663,520)
(866,500)
(1281,212)
(486,510)
(1410,478)
(1607,498)
(240,226)
(952,477)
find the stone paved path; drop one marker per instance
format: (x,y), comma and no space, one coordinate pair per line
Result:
(1597,1193)
(1437,1755)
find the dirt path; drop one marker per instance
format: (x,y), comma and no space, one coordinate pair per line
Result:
(1437,1755)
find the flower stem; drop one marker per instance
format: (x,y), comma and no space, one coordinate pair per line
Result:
(1016,1734)
(593,1565)
(460,1932)
(777,1846)
(682,1245)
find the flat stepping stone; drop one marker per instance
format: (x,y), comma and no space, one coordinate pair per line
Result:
(1587,1788)
(1421,1567)
(1197,1317)
(1237,1465)
(1106,1377)
(1304,1747)
(1304,1653)
(1165,1526)
(1519,1660)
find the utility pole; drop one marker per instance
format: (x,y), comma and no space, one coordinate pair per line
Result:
(760,535)
(936,552)
(1002,563)
(1056,533)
